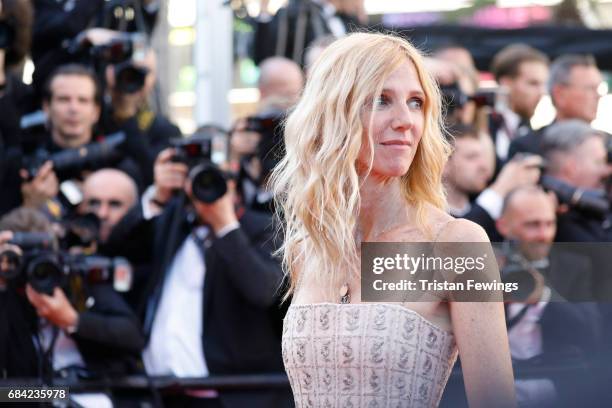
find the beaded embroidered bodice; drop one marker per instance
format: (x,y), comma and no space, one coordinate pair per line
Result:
(365,355)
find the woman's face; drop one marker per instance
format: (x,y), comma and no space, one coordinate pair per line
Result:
(397,119)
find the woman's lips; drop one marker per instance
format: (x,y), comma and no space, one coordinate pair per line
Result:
(396,143)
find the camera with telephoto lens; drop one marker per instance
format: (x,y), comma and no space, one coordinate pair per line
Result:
(592,203)
(75,159)
(208,181)
(454,98)
(44,268)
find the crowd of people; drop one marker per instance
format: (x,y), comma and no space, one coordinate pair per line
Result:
(124,249)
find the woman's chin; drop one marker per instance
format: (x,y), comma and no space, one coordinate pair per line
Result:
(389,172)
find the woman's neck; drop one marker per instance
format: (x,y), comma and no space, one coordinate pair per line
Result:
(383,207)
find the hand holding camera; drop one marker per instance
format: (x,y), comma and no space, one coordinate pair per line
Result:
(56,308)
(169,176)
(218,214)
(42,187)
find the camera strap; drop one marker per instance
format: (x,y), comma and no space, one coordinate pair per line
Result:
(511,322)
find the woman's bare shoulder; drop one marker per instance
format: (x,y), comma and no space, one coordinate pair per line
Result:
(447,228)
(462,230)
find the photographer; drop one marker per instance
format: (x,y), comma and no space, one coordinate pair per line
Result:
(576,154)
(60,21)
(81,333)
(465,175)
(72,107)
(544,329)
(210,304)
(18,324)
(130,85)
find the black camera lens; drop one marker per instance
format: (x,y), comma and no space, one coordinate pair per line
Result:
(525,281)
(130,78)
(45,273)
(10,264)
(208,183)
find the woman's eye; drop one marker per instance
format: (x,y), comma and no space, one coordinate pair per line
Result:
(415,103)
(381,101)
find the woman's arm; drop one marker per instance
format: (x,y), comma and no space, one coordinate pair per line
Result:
(480,332)
(482,338)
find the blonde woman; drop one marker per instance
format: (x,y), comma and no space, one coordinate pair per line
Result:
(364,158)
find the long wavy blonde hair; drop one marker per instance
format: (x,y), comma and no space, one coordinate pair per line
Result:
(316,184)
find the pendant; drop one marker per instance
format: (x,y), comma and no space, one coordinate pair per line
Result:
(345,297)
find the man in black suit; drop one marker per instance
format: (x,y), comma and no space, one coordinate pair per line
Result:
(574,88)
(129,109)
(210,304)
(546,330)
(523,72)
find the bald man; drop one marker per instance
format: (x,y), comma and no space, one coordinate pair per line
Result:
(555,331)
(528,216)
(280,78)
(109,194)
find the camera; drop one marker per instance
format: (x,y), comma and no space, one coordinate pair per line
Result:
(454,98)
(591,202)
(11,261)
(271,147)
(516,268)
(265,122)
(485,97)
(208,181)
(76,159)
(129,78)
(121,52)
(45,269)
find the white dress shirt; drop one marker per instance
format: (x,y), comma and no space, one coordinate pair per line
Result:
(525,339)
(175,347)
(506,133)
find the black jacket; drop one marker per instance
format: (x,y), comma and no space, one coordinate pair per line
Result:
(147,134)
(108,333)
(530,143)
(241,314)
